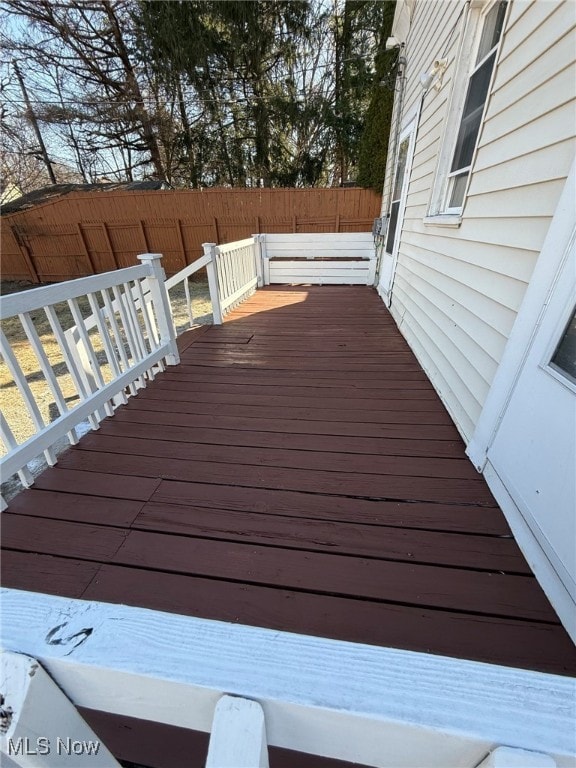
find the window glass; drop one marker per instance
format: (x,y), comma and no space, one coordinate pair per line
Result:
(492,30)
(458,189)
(564,357)
(400,168)
(397,194)
(392,223)
(472,115)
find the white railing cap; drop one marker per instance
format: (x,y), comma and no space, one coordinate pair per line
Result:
(149,256)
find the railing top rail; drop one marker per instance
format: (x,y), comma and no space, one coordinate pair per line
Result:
(27,301)
(227,247)
(186,272)
(320,237)
(326,254)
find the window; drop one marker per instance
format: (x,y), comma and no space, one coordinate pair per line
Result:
(397,195)
(476,63)
(478,85)
(564,357)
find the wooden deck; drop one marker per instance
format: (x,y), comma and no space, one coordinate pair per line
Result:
(296,471)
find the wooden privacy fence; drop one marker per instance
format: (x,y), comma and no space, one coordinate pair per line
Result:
(85,233)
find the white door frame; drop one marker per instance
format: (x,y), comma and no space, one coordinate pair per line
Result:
(410,130)
(555,251)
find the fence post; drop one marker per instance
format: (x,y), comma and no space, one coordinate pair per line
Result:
(258,246)
(212,272)
(161,304)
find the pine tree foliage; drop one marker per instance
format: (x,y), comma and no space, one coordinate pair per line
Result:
(373,144)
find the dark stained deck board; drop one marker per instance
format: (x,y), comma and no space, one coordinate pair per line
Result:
(176,380)
(337,537)
(390,373)
(377,446)
(280,457)
(294,412)
(97,484)
(450,518)
(297,471)
(415,388)
(312,363)
(525,644)
(503,641)
(62,576)
(242,396)
(408,583)
(79,541)
(353,484)
(77,507)
(165,412)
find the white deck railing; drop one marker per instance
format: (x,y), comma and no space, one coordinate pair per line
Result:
(238,271)
(326,258)
(134,338)
(233,271)
(113,351)
(132,326)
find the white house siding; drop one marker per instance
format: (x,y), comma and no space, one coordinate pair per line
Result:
(457,290)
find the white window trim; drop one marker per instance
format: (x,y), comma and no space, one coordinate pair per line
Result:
(546,363)
(439,212)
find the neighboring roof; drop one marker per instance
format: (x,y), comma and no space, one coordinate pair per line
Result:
(45,194)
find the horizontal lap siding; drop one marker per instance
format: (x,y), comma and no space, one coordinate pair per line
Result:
(458,290)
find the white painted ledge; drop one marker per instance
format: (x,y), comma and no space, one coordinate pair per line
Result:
(453,220)
(376,706)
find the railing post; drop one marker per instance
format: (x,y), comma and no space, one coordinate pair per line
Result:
(371,276)
(212,272)
(161,304)
(265,260)
(238,736)
(258,248)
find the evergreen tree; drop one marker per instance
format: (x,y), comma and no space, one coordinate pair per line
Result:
(373,145)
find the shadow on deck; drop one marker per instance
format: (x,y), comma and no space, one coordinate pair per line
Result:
(296,471)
